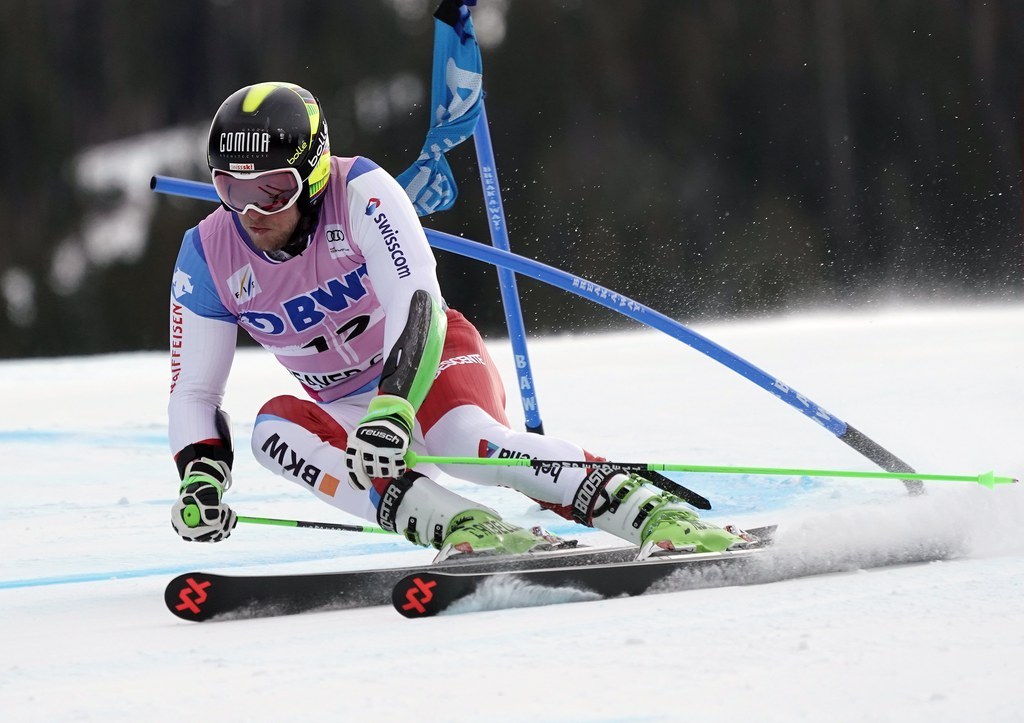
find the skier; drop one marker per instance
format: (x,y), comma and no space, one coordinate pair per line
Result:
(323,261)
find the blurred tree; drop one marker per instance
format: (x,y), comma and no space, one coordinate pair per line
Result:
(707,158)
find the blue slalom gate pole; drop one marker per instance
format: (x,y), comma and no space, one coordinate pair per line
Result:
(627,307)
(186,189)
(506,278)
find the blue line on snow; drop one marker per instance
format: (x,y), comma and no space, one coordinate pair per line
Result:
(46,436)
(88,577)
(378,547)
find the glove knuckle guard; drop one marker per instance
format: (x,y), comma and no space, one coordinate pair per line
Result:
(198,515)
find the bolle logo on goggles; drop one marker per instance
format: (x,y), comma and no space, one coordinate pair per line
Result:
(245,142)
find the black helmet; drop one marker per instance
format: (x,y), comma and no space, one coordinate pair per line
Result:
(270,127)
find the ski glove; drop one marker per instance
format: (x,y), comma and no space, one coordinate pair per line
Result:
(198,515)
(378,445)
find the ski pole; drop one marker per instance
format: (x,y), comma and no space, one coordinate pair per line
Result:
(986,479)
(658,480)
(315,525)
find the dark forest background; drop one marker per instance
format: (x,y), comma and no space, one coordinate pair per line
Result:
(709,158)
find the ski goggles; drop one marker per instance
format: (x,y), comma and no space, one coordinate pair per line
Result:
(267,192)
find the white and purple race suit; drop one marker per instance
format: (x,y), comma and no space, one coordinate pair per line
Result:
(330,315)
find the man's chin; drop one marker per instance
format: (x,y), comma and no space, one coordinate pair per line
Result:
(266,241)
(268,248)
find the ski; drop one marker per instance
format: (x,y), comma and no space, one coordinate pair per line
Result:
(200,596)
(429,592)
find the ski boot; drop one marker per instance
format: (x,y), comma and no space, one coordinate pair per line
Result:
(429,514)
(481,531)
(630,507)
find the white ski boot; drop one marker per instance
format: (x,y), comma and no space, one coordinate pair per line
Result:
(630,507)
(429,514)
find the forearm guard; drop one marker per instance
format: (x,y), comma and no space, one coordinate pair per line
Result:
(223,452)
(410,367)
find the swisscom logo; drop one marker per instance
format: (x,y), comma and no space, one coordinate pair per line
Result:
(372,206)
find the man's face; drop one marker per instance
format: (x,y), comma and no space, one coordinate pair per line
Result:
(270,233)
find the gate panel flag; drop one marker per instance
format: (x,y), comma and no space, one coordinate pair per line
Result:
(456,95)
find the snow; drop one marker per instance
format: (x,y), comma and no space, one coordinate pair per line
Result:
(88,547)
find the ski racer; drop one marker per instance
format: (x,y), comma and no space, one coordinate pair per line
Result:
(323,261)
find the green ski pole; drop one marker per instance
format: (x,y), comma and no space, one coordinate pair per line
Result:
(315,525)
(987,479)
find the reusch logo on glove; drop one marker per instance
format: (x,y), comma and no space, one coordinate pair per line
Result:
(387,436)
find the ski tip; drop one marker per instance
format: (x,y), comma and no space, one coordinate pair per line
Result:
(186,596)
(415,596)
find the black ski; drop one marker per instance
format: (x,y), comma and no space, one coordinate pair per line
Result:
(198,596)
(428,592)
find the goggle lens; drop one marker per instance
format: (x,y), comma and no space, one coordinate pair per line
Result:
(267,193)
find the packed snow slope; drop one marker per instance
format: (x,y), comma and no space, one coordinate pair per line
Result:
(88,548)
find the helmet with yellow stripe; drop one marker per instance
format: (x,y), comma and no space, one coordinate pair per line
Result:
(272,127)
